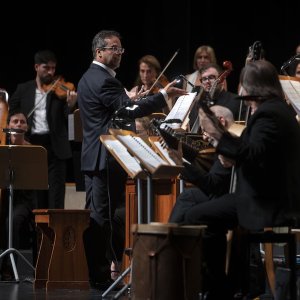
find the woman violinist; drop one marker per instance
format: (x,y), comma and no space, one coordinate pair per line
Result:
(47,110)
(149,70)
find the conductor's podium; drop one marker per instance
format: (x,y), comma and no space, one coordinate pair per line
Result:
(61,261)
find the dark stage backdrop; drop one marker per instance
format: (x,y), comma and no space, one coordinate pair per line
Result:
(150,27)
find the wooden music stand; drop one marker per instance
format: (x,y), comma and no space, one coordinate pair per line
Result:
(150,164)
(22,168)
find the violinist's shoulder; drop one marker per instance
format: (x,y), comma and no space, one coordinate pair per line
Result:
(192,76)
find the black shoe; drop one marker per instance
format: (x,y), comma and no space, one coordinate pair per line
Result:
(104,285)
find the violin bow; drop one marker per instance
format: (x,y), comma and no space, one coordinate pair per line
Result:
(162,72)
(45,95)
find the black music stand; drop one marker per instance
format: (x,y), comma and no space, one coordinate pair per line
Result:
(22,168)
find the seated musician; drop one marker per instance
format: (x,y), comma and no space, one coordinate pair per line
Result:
(149,70)
(204,55)
(24,235)
(267,189)
(208,184)
(214,94)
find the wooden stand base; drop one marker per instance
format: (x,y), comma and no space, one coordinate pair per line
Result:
(61,262)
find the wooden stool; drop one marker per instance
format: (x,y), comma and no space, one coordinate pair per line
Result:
(61,261)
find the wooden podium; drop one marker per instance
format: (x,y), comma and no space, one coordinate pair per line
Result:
(61,259)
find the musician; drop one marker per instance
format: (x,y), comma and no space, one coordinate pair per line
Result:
(204,55)
(47,119)
(24,234)
(268,180)
(100,95)
(149,70)
(214,95)
(297,70)
(207,184)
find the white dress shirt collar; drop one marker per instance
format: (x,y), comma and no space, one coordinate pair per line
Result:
(109,70)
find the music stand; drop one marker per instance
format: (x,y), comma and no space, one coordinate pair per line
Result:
(23,167)
(128,270)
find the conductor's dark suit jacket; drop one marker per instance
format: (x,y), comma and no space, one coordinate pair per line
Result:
(100,95)
(23,100)
(268,166)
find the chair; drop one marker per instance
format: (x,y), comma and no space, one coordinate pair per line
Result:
(268,238)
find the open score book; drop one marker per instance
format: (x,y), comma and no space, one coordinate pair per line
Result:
(145,156)
(181,108)
(291,88)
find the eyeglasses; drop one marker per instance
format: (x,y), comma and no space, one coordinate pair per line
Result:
(208,78)
(115,49)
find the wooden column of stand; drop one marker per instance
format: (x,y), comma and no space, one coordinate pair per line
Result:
(61,259)
(165,193)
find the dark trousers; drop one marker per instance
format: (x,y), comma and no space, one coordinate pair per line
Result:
(54,197)
(184,202)
(105,191)
(219,215)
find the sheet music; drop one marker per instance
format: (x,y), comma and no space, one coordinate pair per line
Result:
(165,153)
(118,148)
(182,107)
(142,150)
(292,91)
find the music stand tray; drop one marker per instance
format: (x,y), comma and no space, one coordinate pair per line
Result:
(23,167)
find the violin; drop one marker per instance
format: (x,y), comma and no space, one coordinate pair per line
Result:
(60,87)
(160,84)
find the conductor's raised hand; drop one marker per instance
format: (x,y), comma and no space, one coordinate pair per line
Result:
(174,91)
(135,94)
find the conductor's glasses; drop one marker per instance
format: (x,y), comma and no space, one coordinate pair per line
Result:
(115,49)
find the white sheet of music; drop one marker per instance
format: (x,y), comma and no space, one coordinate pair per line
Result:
(165,153)
(124,155)
(292,91)
(142,150)
(182,107)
